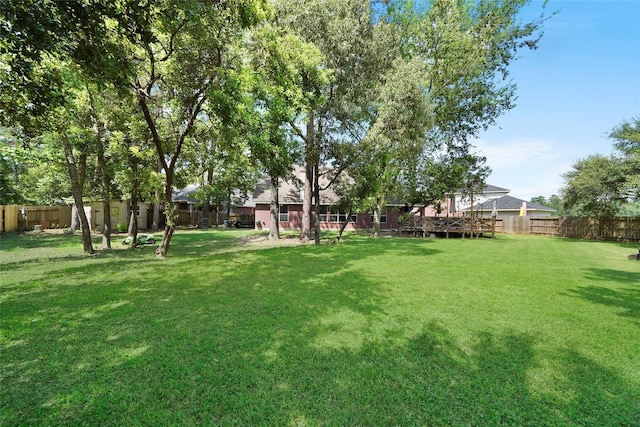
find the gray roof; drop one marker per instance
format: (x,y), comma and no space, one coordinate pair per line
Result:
(487,189)
(186,194)
(494,189)
(291,191)
(510,203)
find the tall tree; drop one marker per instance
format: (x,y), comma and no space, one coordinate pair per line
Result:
(466,48)
(357,50)
(627,142)
(397,133)
(601,185)
(185,69)
(288,83)
(69,127)
(97,127)
(46,48)
(595,187)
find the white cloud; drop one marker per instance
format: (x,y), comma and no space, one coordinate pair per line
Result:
(517,152)
(528,167)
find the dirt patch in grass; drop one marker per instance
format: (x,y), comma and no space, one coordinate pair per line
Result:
(263,240)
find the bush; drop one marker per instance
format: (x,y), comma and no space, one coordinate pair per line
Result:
(122,227)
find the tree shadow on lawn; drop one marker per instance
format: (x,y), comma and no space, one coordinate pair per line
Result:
(610,275)
(278,336)
(67,339)
(627,299)
(12,241)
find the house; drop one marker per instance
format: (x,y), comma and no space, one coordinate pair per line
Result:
(458,203)
(510,206)
(290,199)
(462,203)
(185,198)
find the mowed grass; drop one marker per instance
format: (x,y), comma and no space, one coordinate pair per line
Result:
(515,330)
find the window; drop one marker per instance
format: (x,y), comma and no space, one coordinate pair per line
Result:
(283,213)
(383,216)
(342,217)
(322,214)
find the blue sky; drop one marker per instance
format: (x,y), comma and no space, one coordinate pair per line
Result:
(581,82)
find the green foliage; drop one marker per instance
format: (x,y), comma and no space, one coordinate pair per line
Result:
(288,81)
(211,92)
(34,32)
(595,187)
(601,186)
(468,48)
(554,202)
(627,142)
(368,332)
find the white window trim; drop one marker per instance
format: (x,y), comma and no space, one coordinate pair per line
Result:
(280,213)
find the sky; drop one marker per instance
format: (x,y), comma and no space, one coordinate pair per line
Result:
(581,82)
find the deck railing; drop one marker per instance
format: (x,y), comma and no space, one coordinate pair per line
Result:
(445,225)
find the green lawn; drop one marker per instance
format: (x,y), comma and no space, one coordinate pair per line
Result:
(515,330)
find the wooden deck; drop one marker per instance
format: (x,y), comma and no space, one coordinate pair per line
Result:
(445,226)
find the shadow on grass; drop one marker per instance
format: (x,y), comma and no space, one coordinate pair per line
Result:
(617,276)
(626,299)
(277,336)
(11,241)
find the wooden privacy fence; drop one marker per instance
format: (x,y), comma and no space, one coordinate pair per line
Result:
(9,218)
(528,225)
(580,228)
(47,216)
(24,218)
(601,229)
(192,218)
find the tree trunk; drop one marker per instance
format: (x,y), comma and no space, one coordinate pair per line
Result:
(75,219)
(133,226)
(104,176)
(163,249)
(133,218)
(76,189)
(343,226)
(170,215)
(377,214)
(316,210)
(106,228)
(305,232)
(135,190)
(206,205)
(155,224)
(274,226)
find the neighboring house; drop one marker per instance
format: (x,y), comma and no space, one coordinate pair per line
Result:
(184,198)
(458,203)
(510,206)
(290,199)
(462,203)
(119,214)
